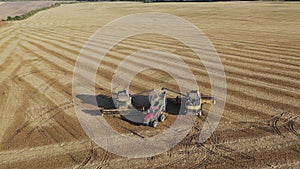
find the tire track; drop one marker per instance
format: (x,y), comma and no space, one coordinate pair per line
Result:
(275,124)
(291,127)
(104,161)
(46,151)
(8,118)
(50,92)
(40,119)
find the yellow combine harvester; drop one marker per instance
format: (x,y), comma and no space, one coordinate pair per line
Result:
(193,101)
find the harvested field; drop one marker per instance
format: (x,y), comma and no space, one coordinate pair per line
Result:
(259,46)
(21,7)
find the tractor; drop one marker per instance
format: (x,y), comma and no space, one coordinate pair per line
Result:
(125,103)
(157,108)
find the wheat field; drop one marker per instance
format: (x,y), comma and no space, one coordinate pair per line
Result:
(259,46)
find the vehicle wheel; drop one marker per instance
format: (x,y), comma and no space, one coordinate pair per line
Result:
(199,113)
(154,124)
(161,118)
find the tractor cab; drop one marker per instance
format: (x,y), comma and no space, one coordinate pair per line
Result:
(158,105)
(123,100)
(193,103)
(157,101)
(193,98)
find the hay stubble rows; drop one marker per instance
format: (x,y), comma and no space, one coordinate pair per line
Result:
(258,44)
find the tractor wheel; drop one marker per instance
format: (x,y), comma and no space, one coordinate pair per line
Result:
(161,118)
(199,113)
(154,124)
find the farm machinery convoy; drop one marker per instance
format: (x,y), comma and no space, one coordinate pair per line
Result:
(156,103)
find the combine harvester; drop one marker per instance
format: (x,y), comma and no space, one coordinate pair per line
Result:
(193,102)
(122,101)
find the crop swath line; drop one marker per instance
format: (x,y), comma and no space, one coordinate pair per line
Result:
(63,106)
(259,56)
(76,32)
(55,39)
(48,48)
(233,80)
(10,66)
(61,39)
(6,31)
(53,94)
(254,41)
(55,44)
(8,47)
(77,38)
(261,93)
(52,66)
(50,81)
(6,40)
(261,59)
(51,76)
(275,55)
(61,64)
(236,34)
(262,66)
(255,44)
(259,77)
